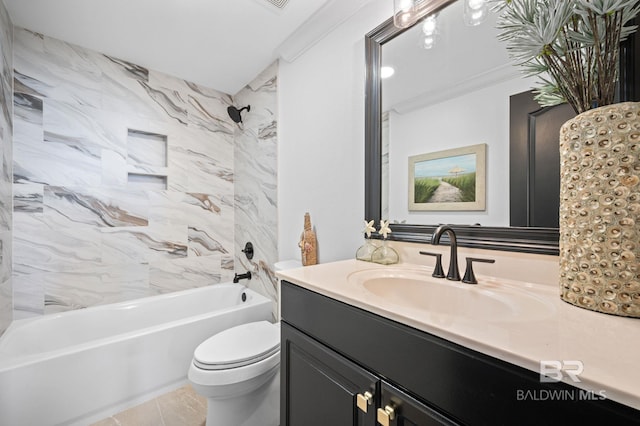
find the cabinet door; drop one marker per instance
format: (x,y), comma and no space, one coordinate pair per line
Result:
(399,409)
(320,387)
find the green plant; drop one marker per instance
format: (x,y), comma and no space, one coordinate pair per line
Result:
(571,45)
(424,189)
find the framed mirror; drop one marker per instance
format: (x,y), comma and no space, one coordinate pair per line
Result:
(452,96)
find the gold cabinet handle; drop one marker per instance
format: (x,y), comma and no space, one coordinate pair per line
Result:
(364,400)
(386,415)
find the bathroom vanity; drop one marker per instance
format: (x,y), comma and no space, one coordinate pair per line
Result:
(349,357)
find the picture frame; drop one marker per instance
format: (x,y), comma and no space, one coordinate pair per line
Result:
(453,179)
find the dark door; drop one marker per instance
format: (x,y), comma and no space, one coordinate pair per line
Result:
(534,161)
(320,387)
(399,409)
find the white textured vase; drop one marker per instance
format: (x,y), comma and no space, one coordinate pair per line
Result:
(600,210)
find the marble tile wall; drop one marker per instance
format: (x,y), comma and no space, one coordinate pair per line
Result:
(6,153)
(83,234)
(256,215)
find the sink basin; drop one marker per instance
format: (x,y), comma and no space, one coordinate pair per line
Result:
(416,289)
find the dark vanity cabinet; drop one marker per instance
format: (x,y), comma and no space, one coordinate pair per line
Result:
(345,366)
(325,388)
(322,386)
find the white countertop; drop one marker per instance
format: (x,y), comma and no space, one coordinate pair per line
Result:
(607,346)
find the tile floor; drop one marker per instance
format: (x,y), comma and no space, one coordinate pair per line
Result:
(181,407)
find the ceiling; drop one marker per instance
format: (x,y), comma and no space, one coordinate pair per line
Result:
(221,44)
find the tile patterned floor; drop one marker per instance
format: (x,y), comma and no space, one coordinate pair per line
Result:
(182,407)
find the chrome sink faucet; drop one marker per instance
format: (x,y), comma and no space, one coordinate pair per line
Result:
(453,274)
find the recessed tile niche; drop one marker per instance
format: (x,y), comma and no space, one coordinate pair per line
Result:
(147,160)
(142,181)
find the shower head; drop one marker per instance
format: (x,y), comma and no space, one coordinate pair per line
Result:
(234,113)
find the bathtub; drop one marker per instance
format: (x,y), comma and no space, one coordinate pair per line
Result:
(81,366)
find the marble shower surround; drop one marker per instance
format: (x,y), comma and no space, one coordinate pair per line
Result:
(256,214)
(6,153)
(83,234)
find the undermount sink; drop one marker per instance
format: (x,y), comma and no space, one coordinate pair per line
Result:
(417,289)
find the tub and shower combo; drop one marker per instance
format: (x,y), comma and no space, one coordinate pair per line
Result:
(81,366)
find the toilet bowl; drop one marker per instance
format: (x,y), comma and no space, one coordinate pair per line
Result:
(238,371)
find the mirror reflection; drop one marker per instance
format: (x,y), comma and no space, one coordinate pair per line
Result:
(449,89)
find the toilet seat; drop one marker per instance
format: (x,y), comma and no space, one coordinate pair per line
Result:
(238,346)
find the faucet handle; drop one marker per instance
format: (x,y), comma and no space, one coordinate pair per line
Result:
(469,276)
(438,272)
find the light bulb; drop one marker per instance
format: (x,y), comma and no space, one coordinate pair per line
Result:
(429,42)
(404,13)
(404,5)
(477,15)
(475,4)
(429,26)
(475,11)
(386,72)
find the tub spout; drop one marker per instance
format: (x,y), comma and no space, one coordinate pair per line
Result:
(238,277)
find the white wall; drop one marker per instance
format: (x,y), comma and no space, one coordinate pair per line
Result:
(321,143)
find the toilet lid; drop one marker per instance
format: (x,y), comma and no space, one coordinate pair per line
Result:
(238,346)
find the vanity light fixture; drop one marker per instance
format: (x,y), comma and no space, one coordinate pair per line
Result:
(475,12)
(405,13)
(408,12)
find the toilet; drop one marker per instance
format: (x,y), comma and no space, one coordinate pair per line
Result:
(238,371)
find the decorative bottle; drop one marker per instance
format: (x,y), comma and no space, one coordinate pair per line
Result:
(366,250)
(385,254)
(308,243)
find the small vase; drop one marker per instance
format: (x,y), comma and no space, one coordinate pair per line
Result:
(600,210)
(366,250)
(385,255)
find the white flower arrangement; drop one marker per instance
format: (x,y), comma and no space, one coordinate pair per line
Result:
(385,230)
(376,253)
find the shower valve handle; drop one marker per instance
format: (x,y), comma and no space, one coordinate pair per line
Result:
(248,250)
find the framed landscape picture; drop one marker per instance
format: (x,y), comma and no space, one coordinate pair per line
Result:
(448,180)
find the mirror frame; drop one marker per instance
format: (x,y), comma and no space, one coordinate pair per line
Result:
(516,239)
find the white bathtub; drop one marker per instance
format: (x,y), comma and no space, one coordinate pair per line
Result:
(81,366)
